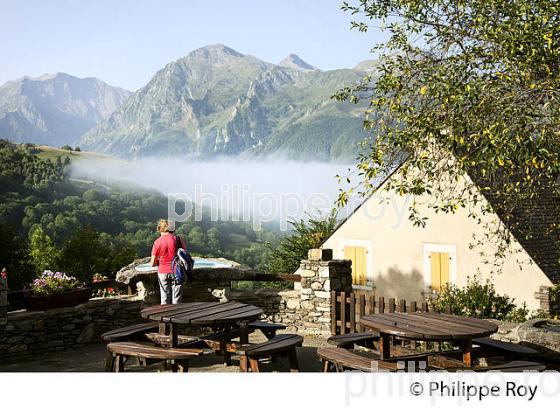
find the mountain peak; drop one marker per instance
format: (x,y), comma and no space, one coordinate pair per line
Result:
(212,51)
(367,65)
(294,61)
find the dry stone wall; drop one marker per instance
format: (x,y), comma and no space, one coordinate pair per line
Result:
(305,307)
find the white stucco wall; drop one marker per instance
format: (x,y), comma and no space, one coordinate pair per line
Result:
(396,258)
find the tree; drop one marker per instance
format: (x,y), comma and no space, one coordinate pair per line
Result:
(14,257)
(122,253)
(214,239)
(85,254)
(43,252)
(307,234)
(196,240)
(464,88)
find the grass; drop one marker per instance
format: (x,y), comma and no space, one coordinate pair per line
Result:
(52,153)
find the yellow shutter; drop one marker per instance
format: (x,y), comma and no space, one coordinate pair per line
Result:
(357,254)
(434,261)
(361,265)
(439,262)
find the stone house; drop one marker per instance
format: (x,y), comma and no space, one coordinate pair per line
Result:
(397,259)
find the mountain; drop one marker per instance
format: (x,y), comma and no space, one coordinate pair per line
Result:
(367,65)
(55,109)
(293,61)
(217,101)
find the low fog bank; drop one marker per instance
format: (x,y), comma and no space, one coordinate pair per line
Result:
(271,190)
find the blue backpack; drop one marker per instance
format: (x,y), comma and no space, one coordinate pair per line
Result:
(182,264)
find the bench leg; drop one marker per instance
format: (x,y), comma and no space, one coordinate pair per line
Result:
(119,363)
(183,366)
(178,366)
(254,363)
(109,362)
(292,357)
(326,366)
(243,363)
(269,334)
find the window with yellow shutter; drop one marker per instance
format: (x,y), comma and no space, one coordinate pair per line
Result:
(357,254)
(439,262)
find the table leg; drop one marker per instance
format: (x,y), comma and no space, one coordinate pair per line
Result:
(466,348)
(172,335)
(243,332)
(384,346)
(162,329)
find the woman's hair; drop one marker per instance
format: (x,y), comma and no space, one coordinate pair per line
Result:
(165,226)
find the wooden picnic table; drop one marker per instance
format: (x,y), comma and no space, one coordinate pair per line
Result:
(429,327)
(217,315)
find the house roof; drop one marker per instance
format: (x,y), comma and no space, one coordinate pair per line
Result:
(529,224)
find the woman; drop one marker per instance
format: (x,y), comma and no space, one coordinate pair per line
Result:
(163,252)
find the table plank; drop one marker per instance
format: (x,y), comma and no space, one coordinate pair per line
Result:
(381,328)
(407,325)
(475,322)
(167,310)
(420,326)
(238,313)
(428,326)
(456,330)
(188,317)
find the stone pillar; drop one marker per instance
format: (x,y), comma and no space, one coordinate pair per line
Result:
(3,301)
(320,274)
(543,296)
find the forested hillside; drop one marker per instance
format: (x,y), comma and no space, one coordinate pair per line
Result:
(49,221)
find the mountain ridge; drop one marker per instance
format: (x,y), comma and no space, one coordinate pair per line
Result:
(216,101)
(294,61)
(56,108)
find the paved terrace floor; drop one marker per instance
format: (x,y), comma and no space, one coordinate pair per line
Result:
(91,358)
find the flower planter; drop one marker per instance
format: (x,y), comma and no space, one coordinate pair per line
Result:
(66,299)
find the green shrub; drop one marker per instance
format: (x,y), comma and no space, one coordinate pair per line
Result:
(307,234)
(480,300)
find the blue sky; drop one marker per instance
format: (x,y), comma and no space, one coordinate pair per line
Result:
(124,42)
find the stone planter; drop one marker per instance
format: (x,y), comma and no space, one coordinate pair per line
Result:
(543,334)
(66,299)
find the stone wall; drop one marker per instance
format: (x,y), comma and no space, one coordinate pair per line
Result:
(304,307)
(27,334)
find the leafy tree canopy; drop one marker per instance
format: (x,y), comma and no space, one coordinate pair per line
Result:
(463,87)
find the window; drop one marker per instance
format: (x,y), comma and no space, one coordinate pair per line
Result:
(440,265)
(357,254)
(439,262)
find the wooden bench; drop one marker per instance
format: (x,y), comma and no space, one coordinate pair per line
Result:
(164,340)
(515,366)
(221,342)
(340,359)
(279,346)
(129,333)
(348,340)
(492,347)
(175,359)
(268,329)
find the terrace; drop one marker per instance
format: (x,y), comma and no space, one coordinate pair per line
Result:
(312,305)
